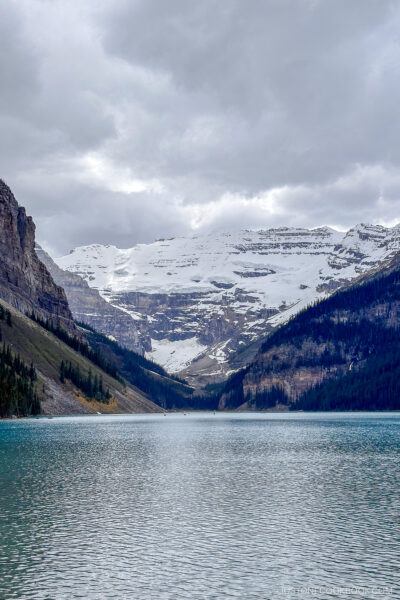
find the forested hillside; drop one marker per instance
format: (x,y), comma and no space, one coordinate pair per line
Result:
(166,390)
(45,369)
(18,394)
(342,353)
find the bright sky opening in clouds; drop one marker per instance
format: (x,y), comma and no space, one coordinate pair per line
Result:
(123,121)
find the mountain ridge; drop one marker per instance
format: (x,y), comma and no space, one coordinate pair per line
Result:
(201,299)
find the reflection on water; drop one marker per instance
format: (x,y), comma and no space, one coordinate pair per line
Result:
(197,507)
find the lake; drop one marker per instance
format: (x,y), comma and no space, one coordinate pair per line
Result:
(250,505)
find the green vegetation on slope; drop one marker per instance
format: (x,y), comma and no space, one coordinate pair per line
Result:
(349,340)
(17,380)
(375,386)
(91,385)
(39,346)
(128,357)
(78,344)
(168,392)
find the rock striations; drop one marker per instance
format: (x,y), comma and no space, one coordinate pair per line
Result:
(89,307)
(201,300)
(25,283)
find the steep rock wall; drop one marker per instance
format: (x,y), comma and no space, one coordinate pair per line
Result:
(25,282)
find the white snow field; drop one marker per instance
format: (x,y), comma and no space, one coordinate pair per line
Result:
(234,282)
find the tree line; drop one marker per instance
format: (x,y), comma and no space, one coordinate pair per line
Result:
(373,386)
(356,329)
(149,377)
(17,385)
(130,359)
(79,345)
(5,315)
(91,386)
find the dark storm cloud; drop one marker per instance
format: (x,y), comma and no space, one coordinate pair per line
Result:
(128,120)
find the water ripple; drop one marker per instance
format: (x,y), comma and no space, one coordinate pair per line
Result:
(199,507)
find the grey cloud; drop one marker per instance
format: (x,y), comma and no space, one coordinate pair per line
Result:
(206,99)
(284,84)
(18,64)
(85,214)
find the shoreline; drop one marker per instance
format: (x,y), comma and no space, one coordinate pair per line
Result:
(196,412)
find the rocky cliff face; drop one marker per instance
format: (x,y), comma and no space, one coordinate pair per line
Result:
(201,300)
(25,283)
(89,307)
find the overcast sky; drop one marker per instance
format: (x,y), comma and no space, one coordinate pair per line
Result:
(122,121)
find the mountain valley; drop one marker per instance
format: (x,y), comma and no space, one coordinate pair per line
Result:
(202,305)
(256,320)
(47,363)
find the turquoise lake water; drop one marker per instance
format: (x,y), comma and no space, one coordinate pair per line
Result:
(200,506)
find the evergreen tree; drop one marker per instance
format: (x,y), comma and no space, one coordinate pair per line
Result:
(87,384)
(17,391)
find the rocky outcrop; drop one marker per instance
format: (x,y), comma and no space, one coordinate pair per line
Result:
(25,282)
(89,307)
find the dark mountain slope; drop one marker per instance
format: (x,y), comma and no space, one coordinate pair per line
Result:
(151,378)
(340,353)
(376,386)
(45,352)
(69,375)
(18,393)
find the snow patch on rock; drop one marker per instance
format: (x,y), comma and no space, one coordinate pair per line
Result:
(175,355)
(222,291)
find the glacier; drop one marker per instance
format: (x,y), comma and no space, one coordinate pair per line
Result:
(203,298)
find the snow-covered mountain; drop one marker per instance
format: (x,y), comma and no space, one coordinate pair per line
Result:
(201,299)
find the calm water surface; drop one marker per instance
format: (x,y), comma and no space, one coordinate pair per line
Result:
(200,506)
